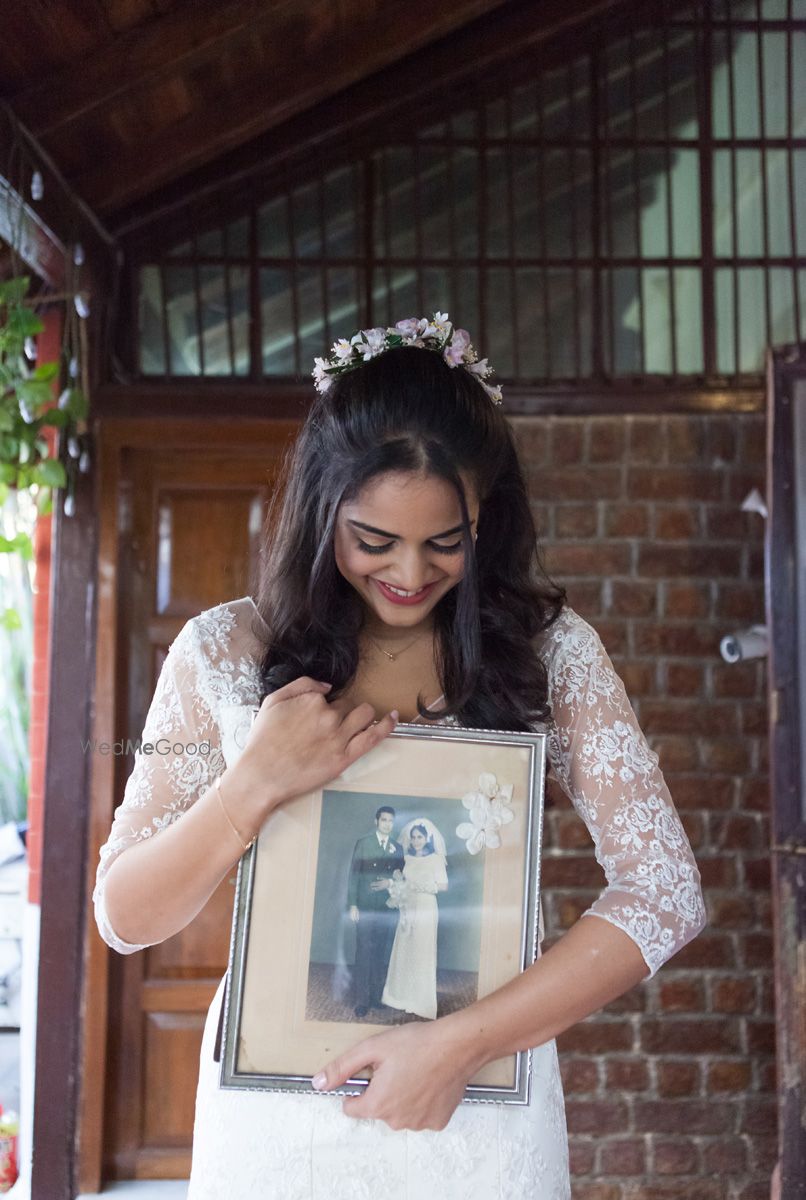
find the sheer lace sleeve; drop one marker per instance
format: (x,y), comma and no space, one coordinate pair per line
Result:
(178,759)
(601,759)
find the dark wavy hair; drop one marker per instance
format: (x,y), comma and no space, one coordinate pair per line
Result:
(408,411)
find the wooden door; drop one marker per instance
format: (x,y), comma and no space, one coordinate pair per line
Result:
(189,521)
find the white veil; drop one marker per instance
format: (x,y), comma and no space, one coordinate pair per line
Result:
(437,840)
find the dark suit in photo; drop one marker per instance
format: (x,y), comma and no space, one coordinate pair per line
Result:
(375,930)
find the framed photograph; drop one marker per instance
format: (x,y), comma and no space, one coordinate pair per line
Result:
(403,890)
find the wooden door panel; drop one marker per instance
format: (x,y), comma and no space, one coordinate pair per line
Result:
(190,527)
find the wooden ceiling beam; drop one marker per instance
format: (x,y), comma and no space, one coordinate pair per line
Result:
(182,38)
(386,97)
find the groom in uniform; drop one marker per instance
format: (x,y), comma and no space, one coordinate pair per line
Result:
(376,857)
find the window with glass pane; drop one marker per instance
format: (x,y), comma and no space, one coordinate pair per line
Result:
(586,218)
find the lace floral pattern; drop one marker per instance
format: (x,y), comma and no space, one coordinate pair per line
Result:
(599,755)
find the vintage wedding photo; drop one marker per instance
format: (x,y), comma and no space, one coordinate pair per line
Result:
(404,941)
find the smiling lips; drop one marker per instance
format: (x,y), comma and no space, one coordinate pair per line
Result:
(401,597)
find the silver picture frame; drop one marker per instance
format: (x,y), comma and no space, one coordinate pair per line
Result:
(285,1012)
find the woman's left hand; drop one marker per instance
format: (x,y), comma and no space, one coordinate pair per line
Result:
(418,1076)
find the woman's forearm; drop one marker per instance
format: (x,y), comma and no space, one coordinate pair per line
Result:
(592,964)
(157,886)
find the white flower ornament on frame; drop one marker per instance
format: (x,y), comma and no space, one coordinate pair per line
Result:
(489,810)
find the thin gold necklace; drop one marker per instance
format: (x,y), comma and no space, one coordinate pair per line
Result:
(396,655)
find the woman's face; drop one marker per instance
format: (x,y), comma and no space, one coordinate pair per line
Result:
(399,543)
(417,840)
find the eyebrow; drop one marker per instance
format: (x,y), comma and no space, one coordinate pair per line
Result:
(386,534)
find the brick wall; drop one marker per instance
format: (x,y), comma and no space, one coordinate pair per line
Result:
(670,1092)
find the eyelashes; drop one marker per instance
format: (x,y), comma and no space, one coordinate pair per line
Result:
(367,549)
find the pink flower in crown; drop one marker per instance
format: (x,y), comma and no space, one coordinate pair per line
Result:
(370,342)
(409,327)
(459,344)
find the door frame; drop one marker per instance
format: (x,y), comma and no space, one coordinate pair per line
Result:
(114,436)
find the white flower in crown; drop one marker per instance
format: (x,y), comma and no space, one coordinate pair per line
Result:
(489,811)
(342,350)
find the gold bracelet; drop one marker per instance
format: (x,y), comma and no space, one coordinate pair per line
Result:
(246,845)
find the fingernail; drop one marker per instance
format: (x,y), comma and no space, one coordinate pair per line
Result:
(319,1081)
(322,683)
(395,715)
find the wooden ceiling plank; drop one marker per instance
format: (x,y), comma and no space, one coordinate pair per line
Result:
(302,82)
(136,58)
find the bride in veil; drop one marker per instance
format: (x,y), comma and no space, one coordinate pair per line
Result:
(411,982)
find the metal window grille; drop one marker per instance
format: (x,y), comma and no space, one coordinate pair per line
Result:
(633,210)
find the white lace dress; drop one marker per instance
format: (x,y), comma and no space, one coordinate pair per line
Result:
(302,1147)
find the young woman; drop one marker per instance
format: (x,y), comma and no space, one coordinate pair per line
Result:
(402,581)
(411,982)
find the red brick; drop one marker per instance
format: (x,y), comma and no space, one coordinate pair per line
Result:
(754,794)
(678,1078)
(728,1156)
(575,520)
(686,438)
(706,1036)
(728,523)
(567,440)
(680,641)
(727,755)
(736,994)
(740,602)
(737,831)
(717,872)
(623,1156)
(638,678)
(685,679)
(587,558)
(633,599)
(596,1037)
(704,791)
(763,1150)
(570,908)
(760,1190)
(674,561)
(676,523)
(752,438)
(735,679)
(613,633)
(597,1191)
(543,515)
(581,1154)
(607,439)
(721,439)
(760,1115)
(585,597)
(688,600)
(647,440)
(673,483)
(761,1036)
(570,871)
(730,912)
(683,1116)
(678,1157)
(580,1075)
(767,1076)
(755,718)
(756,949)
(708,950)
(742,481)
(632,1001)
(569,831)
(575,483)
(597,1116)
(685,994)
(728,1076)
(688,716)
(757,874)
(531,440)
(689,1189)
(626,520)
(626,1074)
(677,754)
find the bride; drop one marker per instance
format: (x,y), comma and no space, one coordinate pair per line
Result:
(411,982)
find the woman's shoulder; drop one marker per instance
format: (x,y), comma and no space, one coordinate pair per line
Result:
(568,635)
(226,638)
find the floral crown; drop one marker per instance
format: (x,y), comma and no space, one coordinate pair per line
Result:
(437,334)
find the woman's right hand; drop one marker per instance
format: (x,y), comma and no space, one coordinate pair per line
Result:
(298,742)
